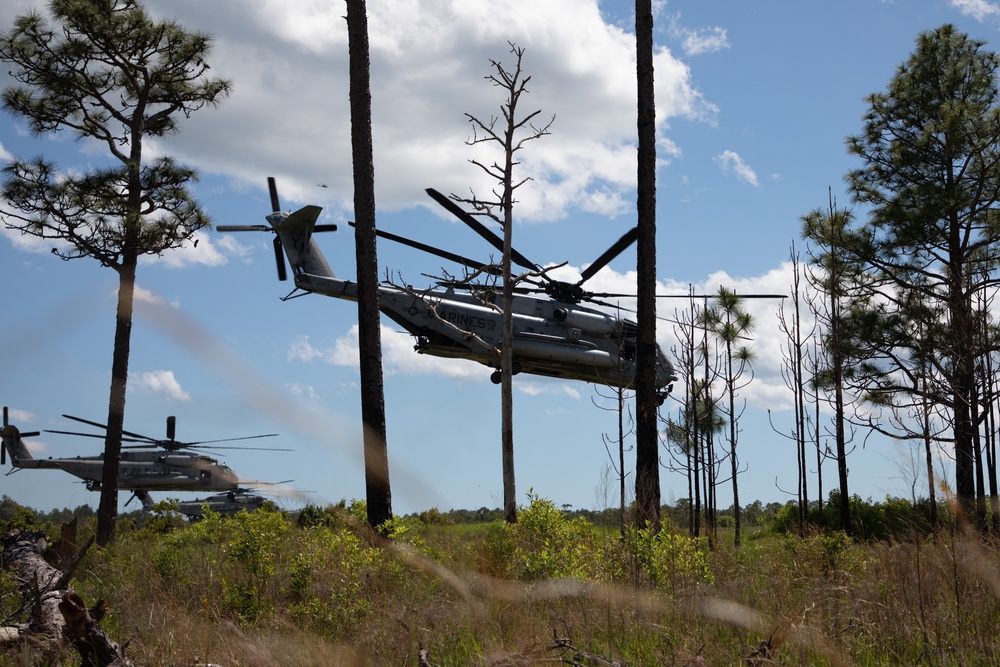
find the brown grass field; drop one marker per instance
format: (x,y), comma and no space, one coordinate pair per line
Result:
(268,589)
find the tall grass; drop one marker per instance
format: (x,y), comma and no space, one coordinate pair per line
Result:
(264,589)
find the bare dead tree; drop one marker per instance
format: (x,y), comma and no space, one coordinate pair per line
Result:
(792,371)
(512,134)
(626,427)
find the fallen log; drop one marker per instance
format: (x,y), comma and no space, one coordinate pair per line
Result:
(59,619)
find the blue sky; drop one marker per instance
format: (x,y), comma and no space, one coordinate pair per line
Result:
(754,101)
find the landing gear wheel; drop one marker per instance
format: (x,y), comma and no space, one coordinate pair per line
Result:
(496,377)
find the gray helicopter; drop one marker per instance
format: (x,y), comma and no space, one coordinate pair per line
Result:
(226,503)
(147,464)
(554,335)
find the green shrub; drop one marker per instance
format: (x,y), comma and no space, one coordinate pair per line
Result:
(254,540)
(671,562)
(546,544)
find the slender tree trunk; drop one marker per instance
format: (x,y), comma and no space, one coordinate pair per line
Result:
(819,444)
(647,467)
(837,363)
(733,460)
(107,510)
(991,442)
(378,493)
(977,446)
(621,460)
(507,354)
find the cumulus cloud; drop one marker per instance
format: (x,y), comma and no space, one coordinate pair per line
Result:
(289,68)
(398,356)
(981,10)
(200,249)
(703,40)
(162,382)
(732,163)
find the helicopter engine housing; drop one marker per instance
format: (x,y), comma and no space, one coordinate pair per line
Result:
(592,323)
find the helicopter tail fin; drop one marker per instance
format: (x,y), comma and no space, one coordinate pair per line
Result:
(295,232)
(12,443)
(144,498)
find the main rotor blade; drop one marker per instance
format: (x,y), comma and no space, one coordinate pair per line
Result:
(459,259)
(243,228)
(86,421)
(248,437)
(100,436)
(480,229)
(609,254)
(105,427)
(253,449)
(713,296)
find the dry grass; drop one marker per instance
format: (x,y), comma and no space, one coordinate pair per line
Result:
(329,595)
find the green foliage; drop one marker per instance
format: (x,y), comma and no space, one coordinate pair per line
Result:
(332,580)
(259,589)
(164,518)
(357,509)
(255,538)
(670,561)
(14,516)
(545,544)
(433,516)
(892,519)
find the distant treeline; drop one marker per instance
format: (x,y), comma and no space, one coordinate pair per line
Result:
(871,520)
(888,519)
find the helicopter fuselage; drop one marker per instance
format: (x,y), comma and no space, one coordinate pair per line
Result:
(555,336)
(143,470)
(551,338)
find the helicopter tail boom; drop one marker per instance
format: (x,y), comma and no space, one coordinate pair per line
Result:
(295,232)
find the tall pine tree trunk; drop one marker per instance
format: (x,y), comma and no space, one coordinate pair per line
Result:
(647,466)
(378,493)
(107,510)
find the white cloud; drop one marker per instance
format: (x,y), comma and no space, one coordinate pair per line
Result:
(200,249)
(302,350)
(531,388)
(162,382)
(298,389)
(731,162)
(981,10)
(704,40)
(288,113)
(398,356)
(144,295)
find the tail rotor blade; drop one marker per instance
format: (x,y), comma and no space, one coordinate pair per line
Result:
(171,427)
(272,188)
(279,258)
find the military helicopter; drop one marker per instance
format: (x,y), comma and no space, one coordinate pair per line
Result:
(554,335)
(150,465)
(229,502)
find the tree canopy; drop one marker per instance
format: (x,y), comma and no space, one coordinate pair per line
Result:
(108,72)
